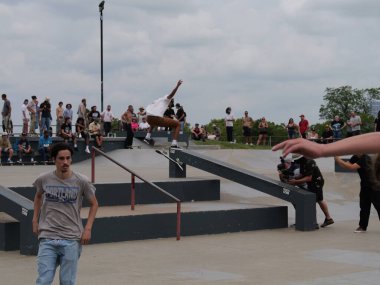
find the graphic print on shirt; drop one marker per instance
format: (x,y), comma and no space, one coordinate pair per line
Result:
(61,194)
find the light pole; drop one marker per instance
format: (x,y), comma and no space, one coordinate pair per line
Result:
(101,8)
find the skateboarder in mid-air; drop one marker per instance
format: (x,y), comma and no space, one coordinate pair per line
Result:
(155,117)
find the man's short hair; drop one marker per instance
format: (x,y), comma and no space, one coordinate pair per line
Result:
(34,97)
(57,147)
(4,96)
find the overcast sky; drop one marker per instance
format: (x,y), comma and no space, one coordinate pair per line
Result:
(273,58)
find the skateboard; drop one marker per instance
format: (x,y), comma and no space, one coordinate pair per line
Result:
(164,153)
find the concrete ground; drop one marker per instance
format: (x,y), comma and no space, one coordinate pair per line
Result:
(334,255)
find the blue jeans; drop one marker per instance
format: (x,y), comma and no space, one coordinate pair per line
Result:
(52,253)
(45,125)
(337,134)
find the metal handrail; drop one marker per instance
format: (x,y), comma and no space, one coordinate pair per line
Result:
(133,175)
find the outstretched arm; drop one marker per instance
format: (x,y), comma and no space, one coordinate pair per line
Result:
(171,95)
(346,164)
(367,143)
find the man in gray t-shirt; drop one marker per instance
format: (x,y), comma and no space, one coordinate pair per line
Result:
(355,122)
(57,220)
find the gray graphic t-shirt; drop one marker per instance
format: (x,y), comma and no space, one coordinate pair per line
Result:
(61,205)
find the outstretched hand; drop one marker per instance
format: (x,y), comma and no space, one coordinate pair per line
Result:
(301,146)
(179,82)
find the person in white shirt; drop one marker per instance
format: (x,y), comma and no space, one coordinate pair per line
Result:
(107,117)
(155,117)
(25,116)
(143,126)
(229,120)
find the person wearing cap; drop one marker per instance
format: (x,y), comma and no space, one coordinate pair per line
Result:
(180,115)
(155,117)
(107,117)
(196,133)
(24,148)
(6,113)
(32,108)
(25,116)
(303,126)
(312,176)
(141,114)
(313,135)
(6,147)
(45,115)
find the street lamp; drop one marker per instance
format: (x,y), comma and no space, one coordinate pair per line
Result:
(101,8)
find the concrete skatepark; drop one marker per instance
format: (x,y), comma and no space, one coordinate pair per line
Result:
(334,255)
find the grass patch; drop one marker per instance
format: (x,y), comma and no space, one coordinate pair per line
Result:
(227,145)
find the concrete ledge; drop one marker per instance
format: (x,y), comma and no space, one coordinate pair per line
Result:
(9,233)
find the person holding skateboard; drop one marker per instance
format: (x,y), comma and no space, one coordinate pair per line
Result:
(155,117)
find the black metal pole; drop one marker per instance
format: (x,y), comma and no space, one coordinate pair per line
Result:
(101,7)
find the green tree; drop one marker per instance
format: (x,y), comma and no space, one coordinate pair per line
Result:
(342,100)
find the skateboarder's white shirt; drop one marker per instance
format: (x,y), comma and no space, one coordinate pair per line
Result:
(158,107)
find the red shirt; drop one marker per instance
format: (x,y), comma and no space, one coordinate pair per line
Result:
(304,125)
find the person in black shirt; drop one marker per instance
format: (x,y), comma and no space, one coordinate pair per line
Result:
(180,115)
(363,165)
(312,176)
(45,113)
(93,115)
(169,113)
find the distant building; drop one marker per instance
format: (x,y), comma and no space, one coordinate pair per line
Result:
(375,107)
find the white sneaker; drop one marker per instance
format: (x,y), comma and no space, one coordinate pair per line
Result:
(32,159)
(19,161)
(9,161)
(87,150)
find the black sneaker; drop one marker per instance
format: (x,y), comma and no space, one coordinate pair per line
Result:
(360,230)
(327,222)
(175,146)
